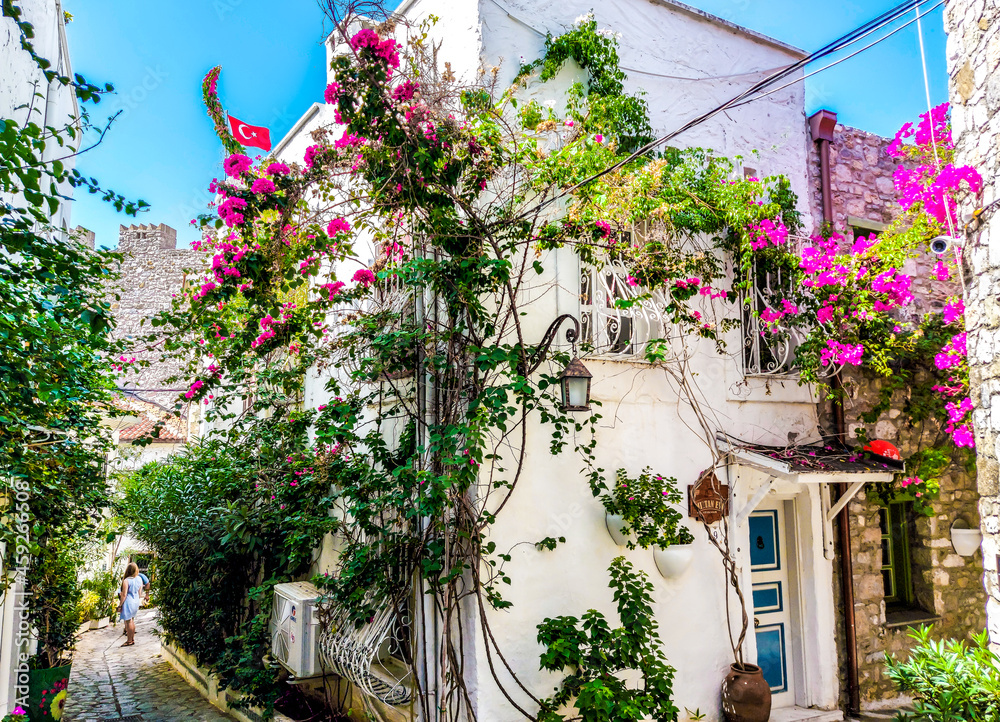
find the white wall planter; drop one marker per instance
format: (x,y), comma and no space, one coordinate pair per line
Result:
(673,561)
(615,522)
(100,623)
(965,540)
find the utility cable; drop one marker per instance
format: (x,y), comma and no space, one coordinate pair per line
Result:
(847,39)
(846,57)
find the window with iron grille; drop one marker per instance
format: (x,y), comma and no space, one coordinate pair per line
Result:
(766,351)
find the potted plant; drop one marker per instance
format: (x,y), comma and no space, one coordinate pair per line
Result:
(641,512)
(54,611)
(746,696)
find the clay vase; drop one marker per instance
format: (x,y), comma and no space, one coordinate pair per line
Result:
(746,697)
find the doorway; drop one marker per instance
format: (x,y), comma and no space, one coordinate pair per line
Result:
(774,595)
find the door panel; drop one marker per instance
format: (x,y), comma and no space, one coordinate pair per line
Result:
(771,609)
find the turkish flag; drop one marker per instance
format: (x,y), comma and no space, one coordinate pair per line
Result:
(250,135)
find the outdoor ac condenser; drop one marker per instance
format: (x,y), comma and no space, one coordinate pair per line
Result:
(294,628)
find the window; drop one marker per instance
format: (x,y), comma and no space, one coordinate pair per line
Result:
(609,328)
(894,525)
(766,353)
(864,228)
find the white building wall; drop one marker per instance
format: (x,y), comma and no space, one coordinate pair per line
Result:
(20,79)
(687,63)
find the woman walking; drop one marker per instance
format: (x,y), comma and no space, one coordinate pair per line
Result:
(129,601)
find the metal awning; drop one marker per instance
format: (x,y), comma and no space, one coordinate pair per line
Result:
(809,464)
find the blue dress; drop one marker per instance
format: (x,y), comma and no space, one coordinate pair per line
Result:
(131,605)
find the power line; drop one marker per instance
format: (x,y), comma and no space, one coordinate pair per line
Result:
(840,43)
(846,57)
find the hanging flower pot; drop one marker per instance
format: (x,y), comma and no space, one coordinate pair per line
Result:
(965,540)
(746,696)
(615,522)
(673,561)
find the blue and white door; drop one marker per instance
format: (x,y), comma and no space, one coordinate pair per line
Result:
(770,563)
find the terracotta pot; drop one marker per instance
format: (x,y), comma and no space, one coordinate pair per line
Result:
(746,697)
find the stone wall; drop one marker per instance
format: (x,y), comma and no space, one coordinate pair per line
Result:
(946,586)
(973,49)
(153,270)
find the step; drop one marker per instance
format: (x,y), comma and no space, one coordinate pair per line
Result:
(804,714)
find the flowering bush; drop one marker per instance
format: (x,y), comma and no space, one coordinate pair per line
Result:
(647,504)
(854,301)
(230,517)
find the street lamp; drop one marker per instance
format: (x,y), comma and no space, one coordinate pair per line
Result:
(575,384)
(575,379)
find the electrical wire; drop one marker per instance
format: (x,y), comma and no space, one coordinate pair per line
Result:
(846,57)
(840,43)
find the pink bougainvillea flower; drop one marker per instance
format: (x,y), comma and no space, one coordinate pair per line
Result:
(841,353)
(278,169)
(194,389)
(363,277)
(337,225)
(405,91)
(632,281)
(953,310)
(962,436)
(953,353)
(599,138)
(941,271)
(263,185)
(310,157)
(236,164)
(330,94)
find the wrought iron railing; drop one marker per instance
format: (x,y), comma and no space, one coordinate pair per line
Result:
(610,327)
(767,351)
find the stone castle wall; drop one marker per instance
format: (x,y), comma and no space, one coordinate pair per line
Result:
(973,50)
(947,587)
(153,270)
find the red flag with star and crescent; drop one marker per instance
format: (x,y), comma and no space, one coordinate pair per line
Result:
(250,135)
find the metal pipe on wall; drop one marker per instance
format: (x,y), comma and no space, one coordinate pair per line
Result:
(822,125)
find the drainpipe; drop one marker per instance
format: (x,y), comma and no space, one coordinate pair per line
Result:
(822,126)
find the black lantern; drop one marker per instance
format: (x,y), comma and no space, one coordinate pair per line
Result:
(575,383)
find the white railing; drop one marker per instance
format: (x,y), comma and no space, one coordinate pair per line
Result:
(766,351)
(611,330)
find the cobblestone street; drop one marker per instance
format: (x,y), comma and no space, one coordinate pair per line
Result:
(109,682)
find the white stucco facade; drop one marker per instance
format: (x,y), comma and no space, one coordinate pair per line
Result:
(686,63)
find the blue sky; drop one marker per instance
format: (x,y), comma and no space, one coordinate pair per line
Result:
(162,148)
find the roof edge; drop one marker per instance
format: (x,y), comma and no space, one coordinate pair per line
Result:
(294,130)
(716,20)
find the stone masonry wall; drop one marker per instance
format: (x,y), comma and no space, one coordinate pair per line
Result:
(946,585)
(973,50)
(153,271)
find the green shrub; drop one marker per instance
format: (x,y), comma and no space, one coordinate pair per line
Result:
(228,518)
(951,681)
(106,587)
(595,656)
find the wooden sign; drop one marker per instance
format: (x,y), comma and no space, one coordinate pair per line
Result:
(708,499)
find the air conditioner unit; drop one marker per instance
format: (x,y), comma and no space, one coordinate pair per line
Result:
(294,628)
